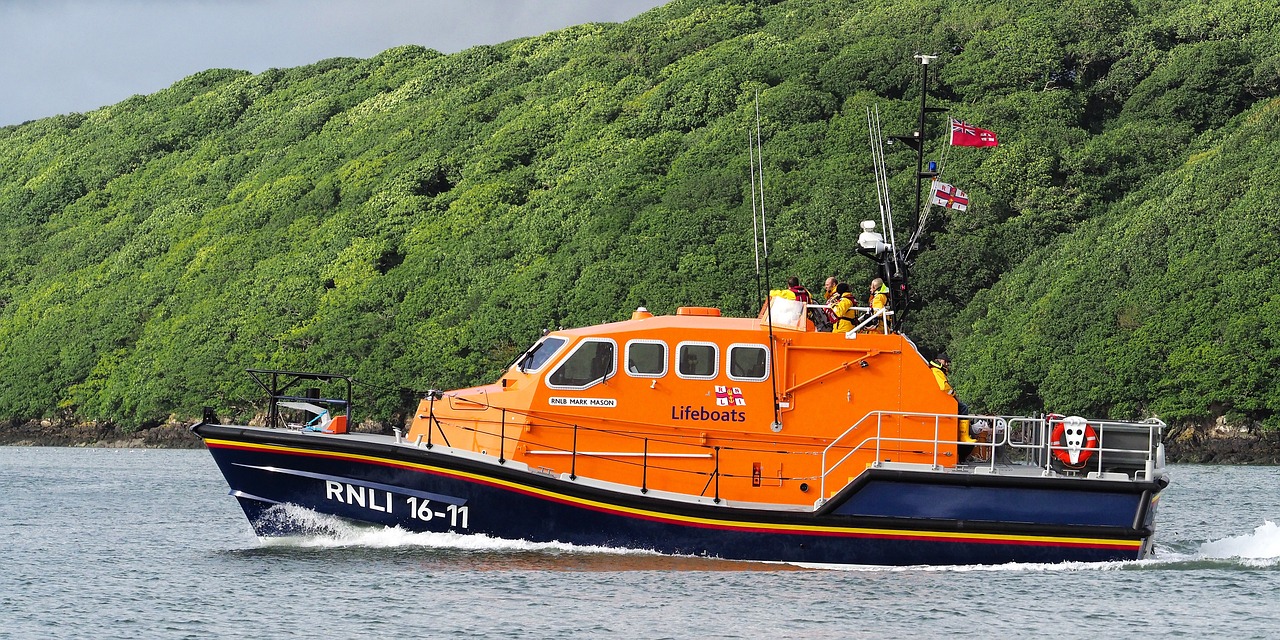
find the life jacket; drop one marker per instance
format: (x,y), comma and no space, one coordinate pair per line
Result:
(850,310)
(849,315)
(801,293)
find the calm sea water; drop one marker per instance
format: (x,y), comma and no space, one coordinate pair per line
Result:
(123,543)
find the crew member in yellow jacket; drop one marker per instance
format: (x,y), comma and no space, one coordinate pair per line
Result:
(941,366)
(846,316)
(879,295)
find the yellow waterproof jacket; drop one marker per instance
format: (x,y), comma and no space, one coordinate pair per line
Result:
(880,299)
(941,377)
(844,314)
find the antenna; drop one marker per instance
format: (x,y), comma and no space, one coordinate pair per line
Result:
(755,225)
(764,227)
(881,175)
(776,426)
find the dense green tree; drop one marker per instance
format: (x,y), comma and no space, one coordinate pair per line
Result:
(417,219)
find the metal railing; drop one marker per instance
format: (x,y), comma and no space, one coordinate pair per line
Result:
(1015,441)
(881,316)
(1139,448)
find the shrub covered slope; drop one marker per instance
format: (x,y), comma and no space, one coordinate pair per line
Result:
(417,219)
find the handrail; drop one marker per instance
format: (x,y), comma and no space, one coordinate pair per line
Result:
(1002,429)
(1022,434)
(883,314)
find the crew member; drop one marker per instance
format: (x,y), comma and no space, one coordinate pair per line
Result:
(878,300)
(829,290)
(941,366)
(797,289)
(825,319)
(844,309)
(879,295)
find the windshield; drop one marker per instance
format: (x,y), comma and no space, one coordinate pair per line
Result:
(539,354)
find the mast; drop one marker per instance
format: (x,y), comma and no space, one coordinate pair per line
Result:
(895,262)
(919,135)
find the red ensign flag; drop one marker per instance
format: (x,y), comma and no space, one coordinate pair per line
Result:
(967,135)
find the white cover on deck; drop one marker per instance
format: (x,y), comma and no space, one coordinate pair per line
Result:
(304,406)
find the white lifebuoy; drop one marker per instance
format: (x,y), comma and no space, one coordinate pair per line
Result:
(1074,442)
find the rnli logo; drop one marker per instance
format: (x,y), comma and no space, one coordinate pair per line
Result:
(726,397)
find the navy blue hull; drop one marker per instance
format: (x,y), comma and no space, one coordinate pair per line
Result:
(886,518)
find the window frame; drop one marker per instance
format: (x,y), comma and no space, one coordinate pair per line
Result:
(728,362)
(550,358)
(582,343)
(715,360)
(666,352)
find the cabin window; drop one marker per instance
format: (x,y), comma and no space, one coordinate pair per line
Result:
(590,362)
(540,353)
(646,359)
(697,360)
(748,362)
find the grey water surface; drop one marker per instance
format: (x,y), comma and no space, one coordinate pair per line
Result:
(131,543)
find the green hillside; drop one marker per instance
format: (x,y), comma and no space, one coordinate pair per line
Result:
(417,219)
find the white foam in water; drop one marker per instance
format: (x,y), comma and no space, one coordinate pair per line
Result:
(1262,544)
(333,532)
(1259,548)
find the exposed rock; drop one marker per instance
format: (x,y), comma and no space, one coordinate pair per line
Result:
(1223,444)
(54,433)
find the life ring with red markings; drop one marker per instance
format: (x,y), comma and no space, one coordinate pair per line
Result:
(1074,441)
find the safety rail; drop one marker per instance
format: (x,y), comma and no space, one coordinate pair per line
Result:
(872,316)
(643,459)
(1131,447)
(1025,437)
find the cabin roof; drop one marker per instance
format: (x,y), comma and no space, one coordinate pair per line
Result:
(696,323)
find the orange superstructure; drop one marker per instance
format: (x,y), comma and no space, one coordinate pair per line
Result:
(697,404)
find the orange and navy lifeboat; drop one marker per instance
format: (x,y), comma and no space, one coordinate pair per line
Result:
(694,433)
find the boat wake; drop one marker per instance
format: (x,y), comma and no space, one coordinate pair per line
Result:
(326,531)
(323,532)
(1258,549)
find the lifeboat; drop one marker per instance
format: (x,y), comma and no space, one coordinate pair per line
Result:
(699,434)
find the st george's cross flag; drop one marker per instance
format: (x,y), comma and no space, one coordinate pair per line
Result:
(967,135)
(945,195)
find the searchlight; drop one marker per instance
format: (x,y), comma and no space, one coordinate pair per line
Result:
(870,240)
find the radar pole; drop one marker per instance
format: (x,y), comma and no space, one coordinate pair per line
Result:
(896,267)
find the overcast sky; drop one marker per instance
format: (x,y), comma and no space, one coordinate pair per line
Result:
(62,56)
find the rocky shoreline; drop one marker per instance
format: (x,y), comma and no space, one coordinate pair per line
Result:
(1221,444)
(46,433)
(1214,444)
